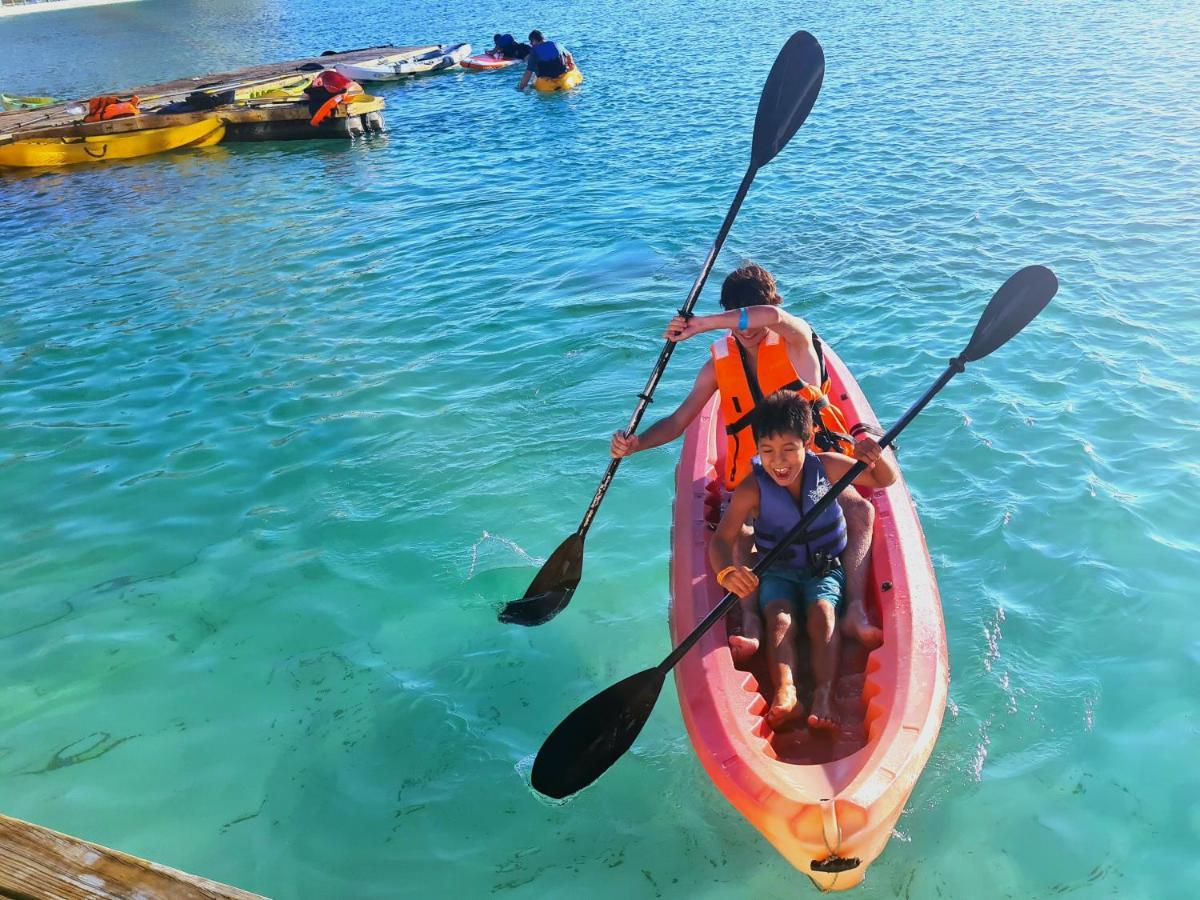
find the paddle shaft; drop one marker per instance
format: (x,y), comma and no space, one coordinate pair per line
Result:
(664,356)
(956,365)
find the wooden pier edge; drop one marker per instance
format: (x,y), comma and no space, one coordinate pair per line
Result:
(37,863)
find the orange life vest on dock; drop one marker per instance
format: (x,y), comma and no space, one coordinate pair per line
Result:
(740,393)
(101,109)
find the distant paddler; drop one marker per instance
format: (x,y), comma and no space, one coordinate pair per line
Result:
(551,64)
(505,46)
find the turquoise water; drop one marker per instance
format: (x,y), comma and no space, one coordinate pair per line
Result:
(284,423)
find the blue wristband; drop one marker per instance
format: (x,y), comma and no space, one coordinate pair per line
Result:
(744,320)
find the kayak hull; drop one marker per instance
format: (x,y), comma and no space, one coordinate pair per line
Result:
(66,151)
(827,803)
(564,82)
(445,56)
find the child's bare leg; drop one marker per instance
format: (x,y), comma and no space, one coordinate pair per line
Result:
(781,659)
(856,560)
(743,646)
(823,639)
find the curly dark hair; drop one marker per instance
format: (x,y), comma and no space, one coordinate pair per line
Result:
(749,285)
(783,412)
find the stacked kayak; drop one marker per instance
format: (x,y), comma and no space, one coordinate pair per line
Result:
(11,101)
(487,62)
(65,151)
(393,68)
(288,87)
(827,802)
(564,82)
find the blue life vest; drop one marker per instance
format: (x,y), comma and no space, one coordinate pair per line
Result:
(778,514)
(547,61)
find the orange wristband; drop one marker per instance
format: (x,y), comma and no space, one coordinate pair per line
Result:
(725,571)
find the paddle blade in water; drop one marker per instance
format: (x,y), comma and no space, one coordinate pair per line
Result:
(1014,306)
(788,96)
(595,735)
(551,590)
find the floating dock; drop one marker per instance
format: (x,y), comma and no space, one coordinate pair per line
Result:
(245,120)
(268,104)
(37,863)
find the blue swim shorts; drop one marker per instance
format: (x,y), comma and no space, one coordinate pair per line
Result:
(800,589)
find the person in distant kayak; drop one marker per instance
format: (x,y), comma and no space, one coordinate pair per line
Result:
(505,46)
(767,349)
(546,60)
(806,583)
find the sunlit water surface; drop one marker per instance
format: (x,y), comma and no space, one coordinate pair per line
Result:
(284,423)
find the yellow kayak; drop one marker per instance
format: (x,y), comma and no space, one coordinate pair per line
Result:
(289,87)
(37,152)
(9,101)
(563,82)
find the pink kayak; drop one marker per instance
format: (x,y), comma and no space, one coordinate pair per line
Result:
(827,802)
(484,61)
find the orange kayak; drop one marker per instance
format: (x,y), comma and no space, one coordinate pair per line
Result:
(827,802)
(485,61)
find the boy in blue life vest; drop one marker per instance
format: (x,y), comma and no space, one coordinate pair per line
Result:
(807,581)
(546,60)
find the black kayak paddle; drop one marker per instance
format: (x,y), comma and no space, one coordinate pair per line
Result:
(787,97)
(597,733)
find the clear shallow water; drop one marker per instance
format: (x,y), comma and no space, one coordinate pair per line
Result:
(284,423)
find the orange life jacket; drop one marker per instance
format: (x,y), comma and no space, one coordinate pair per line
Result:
(101,109)
(740,394)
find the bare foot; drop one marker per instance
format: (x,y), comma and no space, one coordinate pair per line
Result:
(858,627)
(742,648)
(820,718)
(785,708)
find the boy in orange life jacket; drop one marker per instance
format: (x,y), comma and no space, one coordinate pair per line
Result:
(780,349)
(805,580)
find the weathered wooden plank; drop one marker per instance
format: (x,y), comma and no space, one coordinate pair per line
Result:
(36,862)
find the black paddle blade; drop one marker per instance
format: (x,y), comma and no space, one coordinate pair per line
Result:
(788,96)
(595,735)
(1011,308)
(551,590)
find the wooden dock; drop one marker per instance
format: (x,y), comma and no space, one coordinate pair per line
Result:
(39,864)
(257,113)
(155,96)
